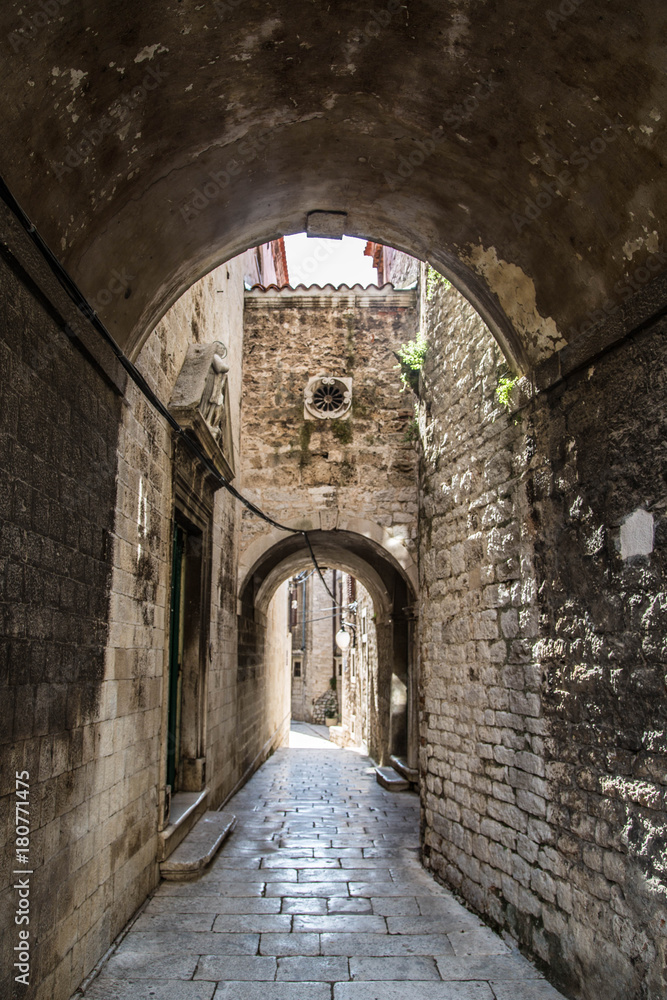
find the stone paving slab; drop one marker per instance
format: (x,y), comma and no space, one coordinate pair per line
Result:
(290,944)
(106,988)
(525,991)
(139,965)
(273,991)
(350,922)
(490,967)
(305,904)
(210,903)
(322,969)
(376,945)
(174,943)
(477,941)
(237,968)
(343,911)
(412,991)
(236,923)
(418,968)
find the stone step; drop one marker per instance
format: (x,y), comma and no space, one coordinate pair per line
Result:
(401,765)
(199,847)
(391,779)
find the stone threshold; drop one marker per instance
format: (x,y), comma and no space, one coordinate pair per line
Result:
(401,766)
(391,779)
(199,848)
(185,810)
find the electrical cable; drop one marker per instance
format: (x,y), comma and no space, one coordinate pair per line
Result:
(75,294)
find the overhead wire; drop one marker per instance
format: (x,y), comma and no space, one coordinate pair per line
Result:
(75,294)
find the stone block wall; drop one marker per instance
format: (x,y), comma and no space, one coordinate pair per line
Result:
(58,434)
(360,672)
(362,465)
(311,692)
(87,509)
(543,711)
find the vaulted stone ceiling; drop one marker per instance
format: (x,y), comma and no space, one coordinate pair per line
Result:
(115,116)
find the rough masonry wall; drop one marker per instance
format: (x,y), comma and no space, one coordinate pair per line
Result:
(542,684)
(601,459)
(58,433)
(317,663)
(360,674)
(362,466)
(126,804)
(77,576)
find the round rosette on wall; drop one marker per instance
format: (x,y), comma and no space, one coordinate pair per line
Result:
(328,397)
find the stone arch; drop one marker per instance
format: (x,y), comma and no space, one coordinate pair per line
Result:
(188,133)
(393,596)
(388,545)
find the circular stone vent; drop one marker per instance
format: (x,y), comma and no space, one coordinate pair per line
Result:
(328,397)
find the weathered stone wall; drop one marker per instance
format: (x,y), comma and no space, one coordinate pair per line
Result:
(317,660)
(361,467)
(360,672)
(58,433)
(542,651)
(87,722)
(275,694)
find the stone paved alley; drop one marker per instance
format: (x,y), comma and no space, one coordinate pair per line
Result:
(317,895)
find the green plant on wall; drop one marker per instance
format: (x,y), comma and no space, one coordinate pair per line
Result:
(434,280)
(506,383)
(412,356)
(411,435)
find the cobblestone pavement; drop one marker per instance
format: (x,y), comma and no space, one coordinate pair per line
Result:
(317,895)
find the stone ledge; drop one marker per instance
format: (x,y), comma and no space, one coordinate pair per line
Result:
(401,766)
(199,847)
(186,808)
(391,780)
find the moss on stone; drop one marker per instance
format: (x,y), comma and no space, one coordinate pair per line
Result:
(304,443)
(342,430)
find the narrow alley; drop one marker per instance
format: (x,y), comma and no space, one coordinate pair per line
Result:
(318,894)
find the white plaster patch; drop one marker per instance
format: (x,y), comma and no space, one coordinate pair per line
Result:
(516,294)
(637,534)
(655,114)
(630,247)
(149,51)
(76,76)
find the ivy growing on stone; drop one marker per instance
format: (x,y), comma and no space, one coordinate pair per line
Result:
(506,383)
(434,280)
(411,356)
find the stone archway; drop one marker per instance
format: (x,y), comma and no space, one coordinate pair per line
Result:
(394,602)
(516,152)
